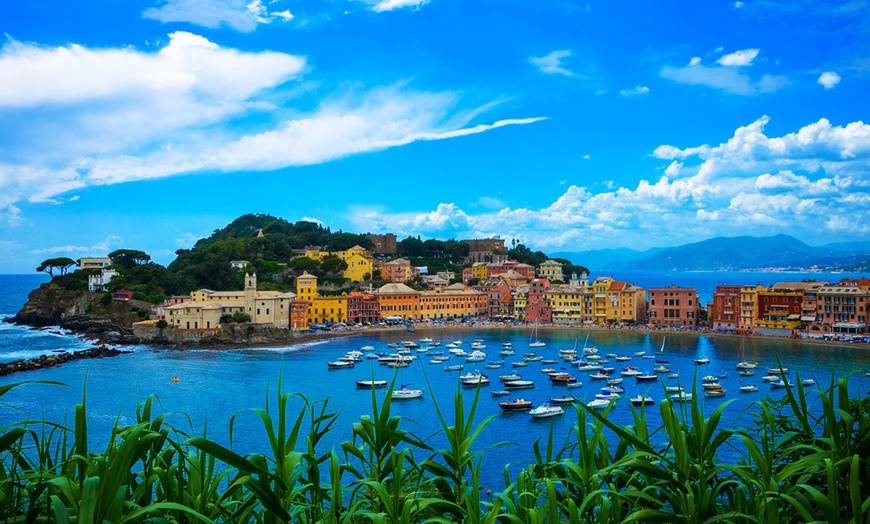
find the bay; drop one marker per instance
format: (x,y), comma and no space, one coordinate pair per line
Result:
(216,385)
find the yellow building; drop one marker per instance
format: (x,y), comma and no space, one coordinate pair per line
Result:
(599,299)
(328,309)
(521,300)
(749,305)
(306,286)
(455,301)
(480,271)
(567,303)
(359,263)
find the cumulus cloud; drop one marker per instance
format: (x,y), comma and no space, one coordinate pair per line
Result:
(739,58)
(726,75)
(119,115)
(102,248)
(390,5)
(761,184)
(637,90)
(241,15)
(551,64)
(829,79)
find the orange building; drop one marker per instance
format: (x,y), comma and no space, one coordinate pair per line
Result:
(299,314)
(398,302)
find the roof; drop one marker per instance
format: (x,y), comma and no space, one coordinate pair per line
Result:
(395,289)
(797,286)
(460,286)
(616,286)
(551,263)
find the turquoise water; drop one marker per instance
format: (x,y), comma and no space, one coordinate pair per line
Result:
(217,384)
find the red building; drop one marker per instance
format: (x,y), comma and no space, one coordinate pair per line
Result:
(363,307)
(467,274)
(299,313)
(496,291)
(674,306)
(537,309)
(725,313)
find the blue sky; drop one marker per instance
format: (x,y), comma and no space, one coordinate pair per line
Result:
(566,125)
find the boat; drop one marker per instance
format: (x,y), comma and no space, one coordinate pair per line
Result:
(507,352)
(563,379)
(702,361)
(455,367)
(403,394)
(674,375)
(393,345)
(722,374)
(641,399)
(646,377)
(548,370)
(622,358)
(599,376)
(599,403)
(711,385)
(639,353)
(748,389)
(614,381)
(367,348)
(534,358)
(575,384)
(589,367)
(611,355)
(808,382)
(673,389)
(501,393)
(613,389)
(452,345)
(174,379)
(368,384)
(549,361)
(770,378)
(339,364)
(662,369)
(630,371)
(410,344)
(777,371)
(519,384)
(746,373)
(495,365)
(743,363)
(476,356)
(482,381)
(517,404)
(781,384)
(682,396)
(715,392)
(478,345)
(423,350)
(607,395)
(593,357)
(709,378)
(533,340)
(546,410)
(471,375)
(563,400)
(372,356)
(661,350)
(426,340)
(509,377)
(519,364)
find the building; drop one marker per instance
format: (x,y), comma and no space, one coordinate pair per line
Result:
(359,263)
(567,304)
(749,306)
(94,262)
(446,275)
(551,270)
(841,309)
(674,306)
(397,271)
(626,303)
(454,301)
(809,300)
(467,274)
(537,309)
(100,281)
(485,250)
(480,271)
(496,291)
(384,244)
(306,286)
(363,308)
(779,308)
(239,264)
(398,302)
(328,309)
(122,295)
(521,300)
(435,282)
(600,287)
(725,311)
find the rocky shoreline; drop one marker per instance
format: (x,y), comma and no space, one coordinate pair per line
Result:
(57,359)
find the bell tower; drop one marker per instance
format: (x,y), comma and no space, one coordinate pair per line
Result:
(250,294)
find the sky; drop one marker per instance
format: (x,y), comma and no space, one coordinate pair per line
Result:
(568,126)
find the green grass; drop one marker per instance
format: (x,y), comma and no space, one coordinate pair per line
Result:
(795,466)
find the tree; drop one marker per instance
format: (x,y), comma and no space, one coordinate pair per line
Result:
(333,266)
(61,264)
(129,258)
(306,264)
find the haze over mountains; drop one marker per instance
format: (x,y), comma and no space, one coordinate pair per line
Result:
(729,254)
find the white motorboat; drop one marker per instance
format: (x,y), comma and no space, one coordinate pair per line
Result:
(808,382)
(702,361)
(613,389)
(614,381)
(662,369)
(495,365)
(482,380)
(622,358)
(630,372)
(714,392)
(367,348)
(510,377)
(781,384)
(682,396)
(577,384)
(519,384)
(709,378)
(533,358)
(455,367)
(611,355)
(476,356)
(748,389)
(777,371)
(599,403)
(340,364)
(589,367)
(746,373)
(639,353)
(478,345)
(507,352)
(642,399)
(711,385)
(674,375)
(770,378)
(520,364)
(368,384)
(471,375)
(546,410)
(599,376)
(403,394)
(426,340)
(606,395)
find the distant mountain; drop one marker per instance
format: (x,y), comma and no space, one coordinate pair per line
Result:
(863,247)
(725,253)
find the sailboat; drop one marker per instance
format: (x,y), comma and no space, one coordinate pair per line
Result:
(661,353)
(745,364)
(536,343)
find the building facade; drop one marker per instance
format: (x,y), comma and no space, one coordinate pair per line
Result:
(398,302)
(551,270)
(674,306)
(725,311)
(384,244)
(454,301)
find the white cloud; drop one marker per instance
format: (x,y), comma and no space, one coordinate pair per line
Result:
(119,115)
(726,75)
(390,5)
(586,157)
(829,79)
(236,14)
(759,184)
(490,202)
(187,240)
(551,64)
(102,248)
(737,5)
(637,90)
(739,58)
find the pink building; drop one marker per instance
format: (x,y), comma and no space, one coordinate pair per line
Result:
(674,306)
(537,309)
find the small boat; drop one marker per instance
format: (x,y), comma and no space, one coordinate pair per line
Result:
(646,378)
(613,389)
(519,384)
(563,379)
(743,363)
(549,361)
(777,371)
(501,393)
(452,345)
(482,380)
(367,348)
(770,378)
(517,404)
(599,376)
(575,384)
(715,392)
(533,340)
(426,340)
(662,369)
(673,389)
(641,399)
(174,379)
(709,378)
(702,361)
(563,400)
(471,375)
(622,358)
(748,389)
(606,395)
(661,350)
(722,374)
(478,345)
(639,353)
(455,367)
(746,373)
(509,377)
(339,364)
(410,344)
(546,410)
(682,396)
(711,385)
(537,344)
(674,375)
(614,381)
(495,365)
(403,394)
(599,403)
(507,352)
(393,345)
(808,382)
(747,365)
(630,372)
(423,350)
(781,384)
(519,364)
(536,358)
(548,370)
(368,384)
(589,367)
(372,356)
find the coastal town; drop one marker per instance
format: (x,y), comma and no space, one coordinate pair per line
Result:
(494,287)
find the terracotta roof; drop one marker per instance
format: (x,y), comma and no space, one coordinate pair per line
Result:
(616,286)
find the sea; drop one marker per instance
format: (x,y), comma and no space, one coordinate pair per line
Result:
(216,385)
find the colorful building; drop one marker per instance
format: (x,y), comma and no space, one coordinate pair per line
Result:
(454,301)
(537,309)
(600,288)
(480,271)
(398,302)
(725,311)
(749,306)
(398,271)
(674,306)
(363,307)
(841,309)
(551,270)
(568,304)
